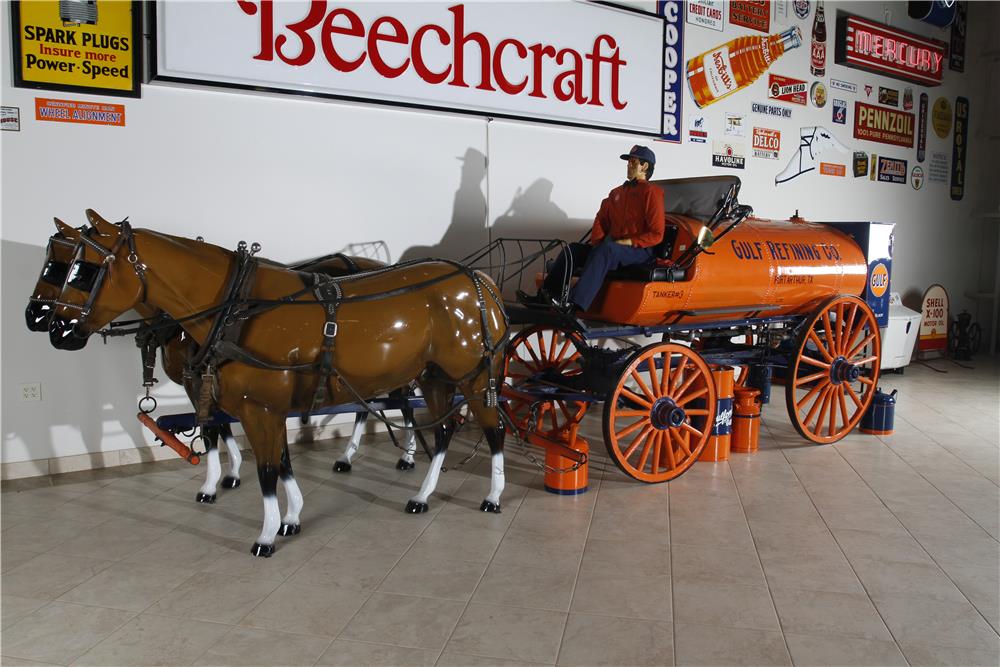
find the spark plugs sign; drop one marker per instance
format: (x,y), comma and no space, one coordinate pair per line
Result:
(578,63)
(877,48)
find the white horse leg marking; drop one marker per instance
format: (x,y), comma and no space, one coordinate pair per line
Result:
(272,520)
(355,443)
(497,479)
(431,480)
(294,496)
(411,443)
(235,457)
(213,471)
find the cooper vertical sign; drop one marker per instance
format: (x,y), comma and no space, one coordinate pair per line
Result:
(574,63)
(673,63)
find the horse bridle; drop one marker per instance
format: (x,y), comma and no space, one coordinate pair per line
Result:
(53,273)
(88,277)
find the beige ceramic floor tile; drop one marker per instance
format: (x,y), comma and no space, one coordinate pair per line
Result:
(60,632)
(14,608)
(448,579)
(216,598)
(646,597)
(820,573)
(536,588)
(637,559)
(128,586)
(154,640)
(527,635)
(822,613)
(603,640)
(878,546)
(311,610)
(932,622)
(15,557)
(50,575)
(714,564)
(242,647)
(451,659)
(837,651)
(345,653)
(351,568)
(711,603)
(408,621)
(924,580)
(925,655)
(717,646)
(112,540)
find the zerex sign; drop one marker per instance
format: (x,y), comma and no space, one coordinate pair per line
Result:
(878,48)
(886,126)
(576,63)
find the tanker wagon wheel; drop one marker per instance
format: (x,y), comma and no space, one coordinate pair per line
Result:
(833,378)
(660,414)
(547,354)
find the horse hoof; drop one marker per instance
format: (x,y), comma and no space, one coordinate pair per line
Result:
(289,529)
(341,466)
(487,506)
(403,464)
(262,550)
(205,498)
(415,507)
(229,482)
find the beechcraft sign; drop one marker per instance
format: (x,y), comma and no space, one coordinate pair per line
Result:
(576,63)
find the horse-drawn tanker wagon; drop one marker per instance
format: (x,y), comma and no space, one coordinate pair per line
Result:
(725,289)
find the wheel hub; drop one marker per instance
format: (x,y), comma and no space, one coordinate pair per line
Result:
(841,370)
(666,414)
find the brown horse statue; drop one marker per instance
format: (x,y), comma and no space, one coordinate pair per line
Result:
(274,340)
(177,348)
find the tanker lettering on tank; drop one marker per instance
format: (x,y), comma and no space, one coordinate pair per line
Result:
(761,268)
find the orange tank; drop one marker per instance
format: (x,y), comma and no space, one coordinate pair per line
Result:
(762,268)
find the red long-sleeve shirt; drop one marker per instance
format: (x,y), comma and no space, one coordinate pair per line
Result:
(634,211)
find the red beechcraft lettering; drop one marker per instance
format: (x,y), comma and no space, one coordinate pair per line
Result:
(341,25)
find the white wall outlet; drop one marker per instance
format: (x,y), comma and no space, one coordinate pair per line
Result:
(31,391)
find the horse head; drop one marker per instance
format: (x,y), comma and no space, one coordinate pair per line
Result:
(102,283)
(58,255)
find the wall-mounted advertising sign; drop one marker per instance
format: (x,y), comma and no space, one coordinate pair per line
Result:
(573,63)
(960,149)
(891,170)
(766,143)
(673,64)
(87,47)
(78,111)
(934,320)
(878,48)
(922,129)
(956,52)
(886,126)
(787,89)
(753,14)
(707,14)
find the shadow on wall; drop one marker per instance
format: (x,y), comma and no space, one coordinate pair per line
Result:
(530,214)
(81,391)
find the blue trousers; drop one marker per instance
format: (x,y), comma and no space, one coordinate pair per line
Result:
(597,261)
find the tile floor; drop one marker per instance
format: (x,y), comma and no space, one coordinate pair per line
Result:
(873,551)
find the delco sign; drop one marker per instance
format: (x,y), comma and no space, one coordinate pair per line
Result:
(575,63)
(877,48)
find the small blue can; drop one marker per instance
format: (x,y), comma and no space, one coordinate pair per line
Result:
(881,414)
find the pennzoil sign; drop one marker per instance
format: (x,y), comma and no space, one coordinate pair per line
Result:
(886,126)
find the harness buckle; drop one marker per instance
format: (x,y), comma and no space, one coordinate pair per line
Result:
(330,330)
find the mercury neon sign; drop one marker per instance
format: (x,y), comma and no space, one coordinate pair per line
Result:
(877,48)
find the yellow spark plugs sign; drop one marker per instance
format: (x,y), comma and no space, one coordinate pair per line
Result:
(82,46)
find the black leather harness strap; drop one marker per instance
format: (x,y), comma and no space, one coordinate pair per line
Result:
(328,293)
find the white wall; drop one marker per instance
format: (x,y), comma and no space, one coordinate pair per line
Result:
(304,176)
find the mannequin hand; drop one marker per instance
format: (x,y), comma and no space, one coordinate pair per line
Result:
(624,241)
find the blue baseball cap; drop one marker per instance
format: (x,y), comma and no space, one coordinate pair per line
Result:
(641,153)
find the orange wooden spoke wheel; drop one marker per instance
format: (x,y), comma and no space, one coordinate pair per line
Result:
(659,416)
(543,356)
(833,377)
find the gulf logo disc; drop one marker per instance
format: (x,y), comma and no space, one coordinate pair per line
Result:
(879,280)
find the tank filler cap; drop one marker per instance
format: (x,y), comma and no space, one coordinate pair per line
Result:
(796,217)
